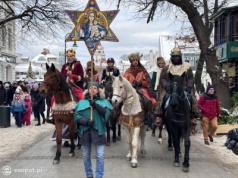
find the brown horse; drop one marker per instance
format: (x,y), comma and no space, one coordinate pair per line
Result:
(63,107)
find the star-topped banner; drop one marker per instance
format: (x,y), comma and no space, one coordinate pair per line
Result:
(92,26)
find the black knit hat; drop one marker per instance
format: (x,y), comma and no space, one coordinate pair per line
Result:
(209,87)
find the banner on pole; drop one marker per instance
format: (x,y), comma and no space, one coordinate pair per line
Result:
(92,26)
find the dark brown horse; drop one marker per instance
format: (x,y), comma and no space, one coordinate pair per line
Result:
(62,109)
(114,115)
(178,113)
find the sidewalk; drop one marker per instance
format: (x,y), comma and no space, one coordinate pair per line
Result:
(36,161)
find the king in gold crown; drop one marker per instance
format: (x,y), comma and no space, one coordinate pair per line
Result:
(70,52)
(176,52)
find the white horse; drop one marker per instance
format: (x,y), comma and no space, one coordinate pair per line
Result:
(132,116)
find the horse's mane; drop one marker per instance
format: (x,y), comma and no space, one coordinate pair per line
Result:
(63,85)
(129,86)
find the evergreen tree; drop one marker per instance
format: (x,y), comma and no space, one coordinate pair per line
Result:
(30,73)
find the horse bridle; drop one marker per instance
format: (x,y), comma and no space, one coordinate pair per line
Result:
(124,99)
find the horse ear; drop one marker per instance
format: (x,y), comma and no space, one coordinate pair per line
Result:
(120,78)
(52,67)
(47,66)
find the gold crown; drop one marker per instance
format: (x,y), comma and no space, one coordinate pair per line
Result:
(134,56)
(176,52)
(70,52)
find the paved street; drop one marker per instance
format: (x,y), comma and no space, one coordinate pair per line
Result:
(37,160)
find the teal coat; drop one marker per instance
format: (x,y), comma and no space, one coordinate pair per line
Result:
(82,109)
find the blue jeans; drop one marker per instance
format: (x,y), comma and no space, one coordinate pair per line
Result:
(18,117)
(99,160)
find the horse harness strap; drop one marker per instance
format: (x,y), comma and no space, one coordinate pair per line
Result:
(67,108)
(76,86)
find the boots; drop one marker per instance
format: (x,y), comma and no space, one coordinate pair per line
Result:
(50,120)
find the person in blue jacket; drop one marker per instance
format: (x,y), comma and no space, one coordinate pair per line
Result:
(18,108)
(92,131)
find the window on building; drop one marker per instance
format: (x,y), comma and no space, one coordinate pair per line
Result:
(222,31)
(10,38)
(3,37)
(236,28)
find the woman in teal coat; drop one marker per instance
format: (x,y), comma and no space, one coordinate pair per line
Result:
(92,131)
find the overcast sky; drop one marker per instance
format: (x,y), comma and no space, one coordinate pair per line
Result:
(133,35)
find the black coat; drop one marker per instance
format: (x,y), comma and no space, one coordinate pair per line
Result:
(38,101)
(3,96)
(11,93)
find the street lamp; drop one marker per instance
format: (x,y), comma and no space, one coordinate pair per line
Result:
(65,47)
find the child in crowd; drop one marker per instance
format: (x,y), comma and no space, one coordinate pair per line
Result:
(27,116)
(18,108)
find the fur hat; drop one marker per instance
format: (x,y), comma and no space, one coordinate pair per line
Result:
(176,52)
(70,52)
(209,87)
(134,56)
(160,60)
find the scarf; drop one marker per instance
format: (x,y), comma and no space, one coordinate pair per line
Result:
(178,69)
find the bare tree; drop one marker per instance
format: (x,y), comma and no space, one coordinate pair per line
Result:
(197,13)
(36,20)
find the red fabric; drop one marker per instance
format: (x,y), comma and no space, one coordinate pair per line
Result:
(79,93)
(144,84)
(76,69)
(74,77)
(52,101)
(210,108)
(27,116)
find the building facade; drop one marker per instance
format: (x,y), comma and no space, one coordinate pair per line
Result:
(226,40)
(8,56)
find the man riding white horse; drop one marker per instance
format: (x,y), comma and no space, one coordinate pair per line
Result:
(138,76)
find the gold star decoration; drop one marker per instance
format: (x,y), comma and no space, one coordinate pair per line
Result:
(92,26)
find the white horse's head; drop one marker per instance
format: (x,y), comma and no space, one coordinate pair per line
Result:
(119,93)
(122,90)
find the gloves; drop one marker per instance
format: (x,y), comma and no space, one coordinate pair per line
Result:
(73,77)
(89,123)
(93,103)
(101,110)
(136,84)
(188,89)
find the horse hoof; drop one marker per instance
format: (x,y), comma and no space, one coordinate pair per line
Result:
(170,148)
(71,154)
(114,139)
(118,138)
(134,165)
(185,169)
(55,161)
(108,144)
(160,141)
(176,164)
(128,158)
(153,135)
(143,151)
